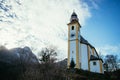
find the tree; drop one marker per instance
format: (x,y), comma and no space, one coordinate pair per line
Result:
(111,62)
(105,66)
(47,55)
(72,64)
(47,69)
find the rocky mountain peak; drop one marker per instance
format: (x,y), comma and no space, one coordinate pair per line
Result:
(17,55)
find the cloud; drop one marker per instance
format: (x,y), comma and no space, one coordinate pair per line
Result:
(109,49)
(40,23)
(93,4)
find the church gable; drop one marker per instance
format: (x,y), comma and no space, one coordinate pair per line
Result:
(95,66)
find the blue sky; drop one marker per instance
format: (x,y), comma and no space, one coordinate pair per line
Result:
(43,23)
(103,28)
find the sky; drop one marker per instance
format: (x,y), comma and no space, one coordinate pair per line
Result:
(102,29)
(43,23)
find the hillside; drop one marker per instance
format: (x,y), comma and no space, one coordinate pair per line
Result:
(14,62)
(22,64)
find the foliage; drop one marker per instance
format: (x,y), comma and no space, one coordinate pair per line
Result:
(47,55)
(110,62)
(80,74)
(10,71)
(72,64)
(47,69)
(43,72)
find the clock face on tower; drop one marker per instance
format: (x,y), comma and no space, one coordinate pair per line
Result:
(72,35)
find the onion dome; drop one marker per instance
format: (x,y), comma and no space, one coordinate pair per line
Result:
(74,17)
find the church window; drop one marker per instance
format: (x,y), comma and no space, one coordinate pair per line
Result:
(94,63)
(72,27)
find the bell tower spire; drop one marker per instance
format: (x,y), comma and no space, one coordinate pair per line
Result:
(74,17)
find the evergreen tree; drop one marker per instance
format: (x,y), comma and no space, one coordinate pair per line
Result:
(72,63)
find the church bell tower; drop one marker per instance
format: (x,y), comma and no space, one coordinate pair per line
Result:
(74,49)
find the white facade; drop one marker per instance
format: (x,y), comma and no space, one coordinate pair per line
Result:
(73,32)
(73,44)
(84,57)
(80,55)
(73,51)
(95,66)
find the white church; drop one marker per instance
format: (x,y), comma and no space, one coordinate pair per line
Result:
(80,50)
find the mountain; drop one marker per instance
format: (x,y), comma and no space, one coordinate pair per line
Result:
(14,62)
(63,63)
(17,56)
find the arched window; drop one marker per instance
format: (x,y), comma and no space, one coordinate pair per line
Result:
(72,27)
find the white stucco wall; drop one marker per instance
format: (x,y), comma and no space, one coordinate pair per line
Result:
(84,57)
(79,54)
(95,68)
(73,44)
(73,50)
(72,32)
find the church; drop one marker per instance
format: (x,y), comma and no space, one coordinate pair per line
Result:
(80,50)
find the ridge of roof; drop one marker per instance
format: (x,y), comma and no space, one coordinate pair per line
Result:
(84,41)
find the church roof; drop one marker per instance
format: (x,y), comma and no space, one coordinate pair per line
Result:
(84,41)
(74,14)
(74,17)
(92,58)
